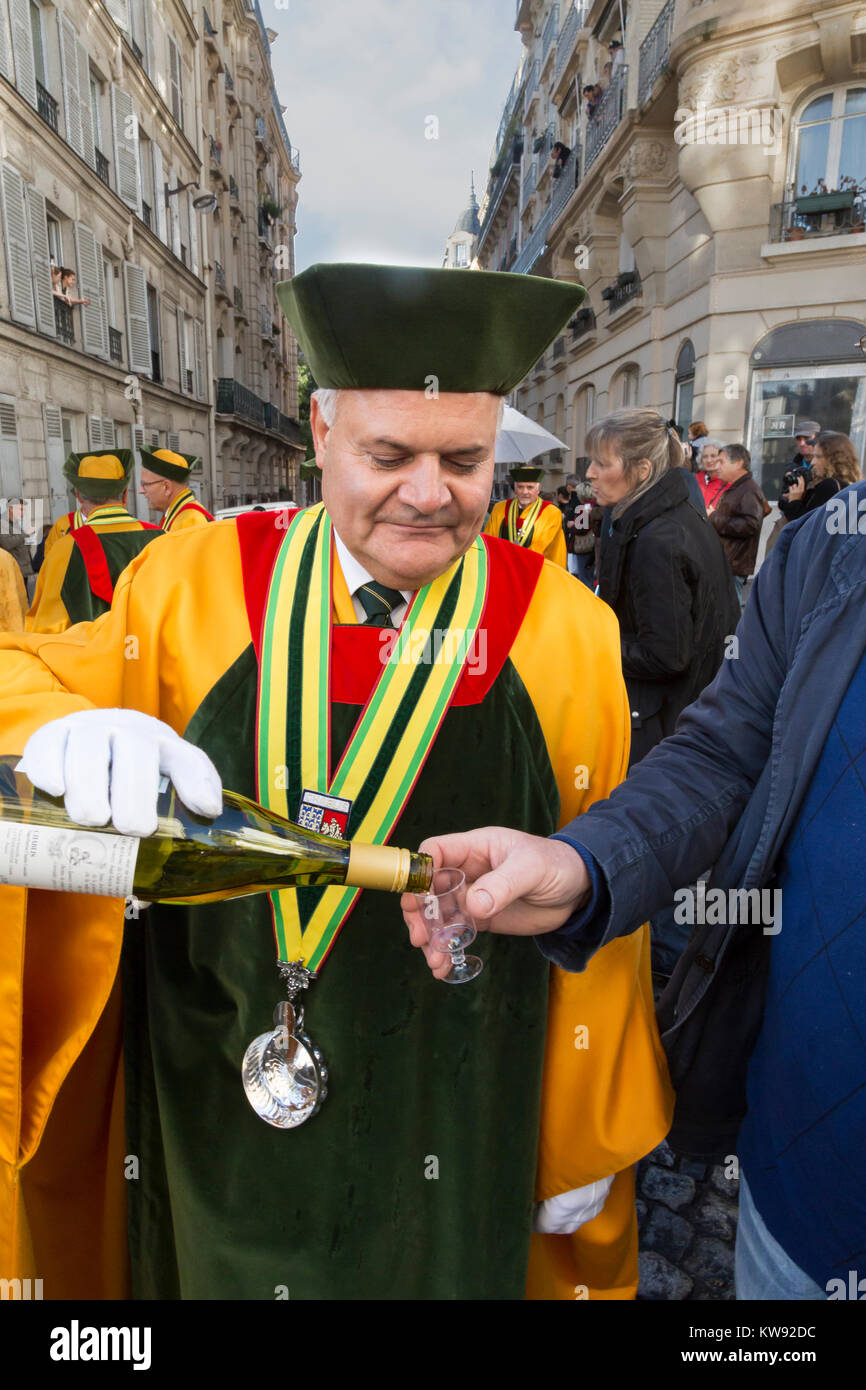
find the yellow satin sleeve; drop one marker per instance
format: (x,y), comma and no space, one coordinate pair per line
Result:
(13,594)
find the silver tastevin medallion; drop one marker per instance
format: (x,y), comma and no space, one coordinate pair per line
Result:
(284,1074)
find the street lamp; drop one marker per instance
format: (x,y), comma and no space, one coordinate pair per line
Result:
(205,202)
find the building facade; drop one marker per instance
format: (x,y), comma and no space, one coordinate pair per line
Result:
(106,169)
(709,190)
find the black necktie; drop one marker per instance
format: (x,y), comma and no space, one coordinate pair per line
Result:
(378,602)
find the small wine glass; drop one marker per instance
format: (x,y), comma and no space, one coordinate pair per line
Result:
(449,925)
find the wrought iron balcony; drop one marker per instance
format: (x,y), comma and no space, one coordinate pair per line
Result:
(115,345)
(216,151)
(627,286)
(510,167)
(64,322)
(607,115)
(238,300)
(545,145)
(583,322)
(567,36)
(234,399)
(819,215)
(220,278)
(46,106)
(155,366)
(230,82)
(559,348)
(534,246)
(655,51)
(528,186)
(188,379)
(233,188)
(549,32)
(146,214)
(531,87)
(565,184)
(139,56)
(102,167)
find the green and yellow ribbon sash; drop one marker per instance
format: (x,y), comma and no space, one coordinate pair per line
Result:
(396,728)
(177,506)
(109,515)
(525,535)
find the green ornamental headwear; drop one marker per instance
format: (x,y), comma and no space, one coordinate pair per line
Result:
(525,474)
(403,328)
(99,474)
(167,463)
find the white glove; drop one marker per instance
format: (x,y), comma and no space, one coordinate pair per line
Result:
(106,763)
(563,1214)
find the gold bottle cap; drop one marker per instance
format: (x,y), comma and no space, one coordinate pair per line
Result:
(378,866)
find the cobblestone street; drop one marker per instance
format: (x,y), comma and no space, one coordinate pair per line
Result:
(687,1214)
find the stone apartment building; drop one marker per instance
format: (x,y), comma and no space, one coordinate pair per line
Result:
(712,201)
(149,155)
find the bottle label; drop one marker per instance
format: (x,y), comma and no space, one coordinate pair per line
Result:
(66,860)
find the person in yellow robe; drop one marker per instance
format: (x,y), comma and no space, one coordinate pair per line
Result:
(13,594)
(340,1207)
(527,519)
(69,521)
(76,581)
(165,476)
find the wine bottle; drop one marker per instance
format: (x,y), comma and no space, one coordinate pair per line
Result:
(188,859)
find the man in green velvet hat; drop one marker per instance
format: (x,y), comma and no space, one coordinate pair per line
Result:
(165,478)
(526,519)
(371,667)
(77,579)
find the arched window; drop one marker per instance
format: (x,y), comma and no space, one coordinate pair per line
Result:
(684,385)
(625,387)
(583,414)
(830,142)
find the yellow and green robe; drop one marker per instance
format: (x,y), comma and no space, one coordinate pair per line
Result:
(185,513)
(545,536)
(221,1205)
(69,521)
(13,594)
(76,581)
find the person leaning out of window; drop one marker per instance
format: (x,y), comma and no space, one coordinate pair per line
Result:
(834,466)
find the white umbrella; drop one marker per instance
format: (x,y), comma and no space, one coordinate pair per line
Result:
(521,439)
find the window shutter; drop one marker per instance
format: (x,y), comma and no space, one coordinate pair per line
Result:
(109,438)
(198,336)
(158,191)
(181,351)
(55,453)
(21,304)
(68,36)
(154,439)
(40,256)
(5,47)
(22,49)
(94,431)
(125,128)
(10,458)
(138,437)
(137,331)
(174,218)
(119,11)
(175,82)
(88,144)
(172,441)
(90,286)
(193,237)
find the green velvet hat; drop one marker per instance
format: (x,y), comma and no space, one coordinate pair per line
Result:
(396,327)
(99,474)
(167,463)
(525,474)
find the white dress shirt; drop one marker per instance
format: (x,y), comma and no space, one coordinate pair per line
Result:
(355,575)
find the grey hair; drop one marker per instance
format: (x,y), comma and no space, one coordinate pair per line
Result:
(327,399)
(632,434)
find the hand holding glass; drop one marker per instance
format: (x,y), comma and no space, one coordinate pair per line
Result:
(449,926)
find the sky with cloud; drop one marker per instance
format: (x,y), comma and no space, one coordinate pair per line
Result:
(360,80)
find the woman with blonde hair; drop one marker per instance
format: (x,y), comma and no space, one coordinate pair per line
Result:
(661,568)
(834,465)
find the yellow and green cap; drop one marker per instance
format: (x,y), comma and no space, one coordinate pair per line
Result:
(404,328)
(525,473)
(168,463)
(99,473)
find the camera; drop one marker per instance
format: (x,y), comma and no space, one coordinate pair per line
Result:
(802,470)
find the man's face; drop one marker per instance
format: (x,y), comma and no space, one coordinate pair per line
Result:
(727,469)
(526,493)
(806,445)
(157,490)
(406,479)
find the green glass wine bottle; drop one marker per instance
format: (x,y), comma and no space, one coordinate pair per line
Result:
(188,859)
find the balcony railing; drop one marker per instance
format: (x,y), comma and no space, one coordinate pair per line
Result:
(655,51)
(230,82)
(582,323)
(139,56)
(234,399)
(528,186)
(155,366)
(239,300)
(627,287)
(102,167)
(233,188)
(115,345)
(146,214)
(565,185)
(507,111)
(545,145)
(819,215)
(64,322)
(567,36)
(46,106)
(531,86)
(549,32)
(264,226)
(220,278)
(533,247)
(607,116)
(261,128)
(216,151)
(559,348)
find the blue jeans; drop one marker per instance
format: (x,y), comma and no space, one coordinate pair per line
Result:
(762,1270)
